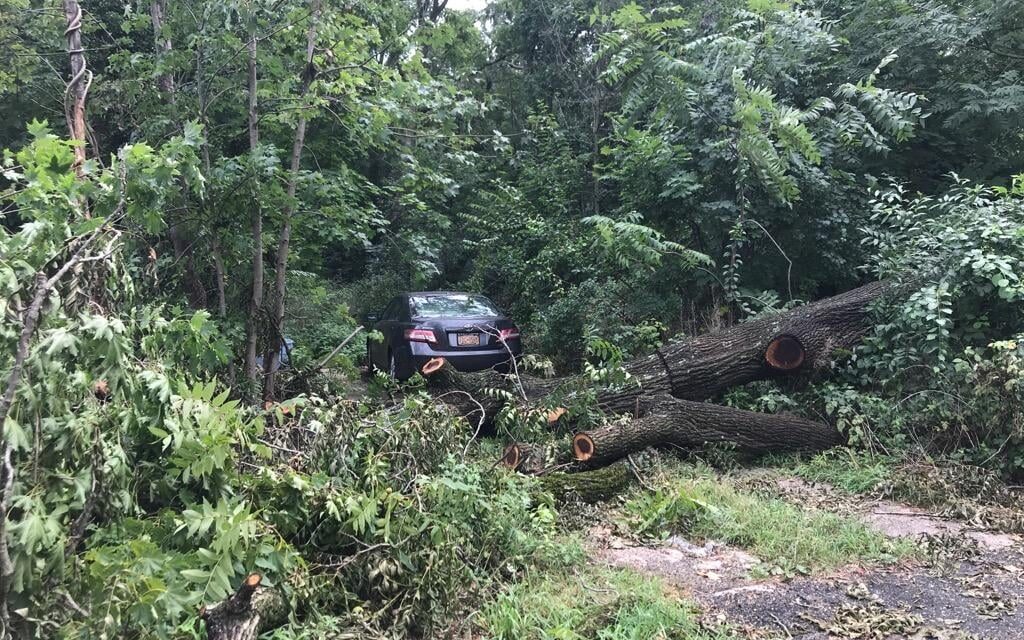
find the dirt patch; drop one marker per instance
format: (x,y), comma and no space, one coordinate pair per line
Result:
(901,521)
(980,598)
(710,566)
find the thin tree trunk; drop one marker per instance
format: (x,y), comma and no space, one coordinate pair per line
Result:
(77,90)
(6,566)
(157,11)
(273,357)
(216,252)
(256,299)
(221,276)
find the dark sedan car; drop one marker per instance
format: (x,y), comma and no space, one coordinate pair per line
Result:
(466,329)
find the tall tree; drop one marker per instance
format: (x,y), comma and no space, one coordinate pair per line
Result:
(178,228)
(307,75)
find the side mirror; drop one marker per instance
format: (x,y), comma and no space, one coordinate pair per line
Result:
(372,318)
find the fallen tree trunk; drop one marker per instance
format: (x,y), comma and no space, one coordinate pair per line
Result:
(803,339)
(468,394)
(668,421)
(588,486)
(799,340)
(245,614)
(480,395)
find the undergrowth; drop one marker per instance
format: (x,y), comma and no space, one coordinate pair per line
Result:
(846,469)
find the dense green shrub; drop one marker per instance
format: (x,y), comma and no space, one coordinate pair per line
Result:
(391,518)
(942,367)
(949,351)
(319,320)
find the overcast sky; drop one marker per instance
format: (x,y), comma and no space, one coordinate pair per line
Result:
(467,4)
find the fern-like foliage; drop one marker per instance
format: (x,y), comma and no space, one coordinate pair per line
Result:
(744,82)
(630,244)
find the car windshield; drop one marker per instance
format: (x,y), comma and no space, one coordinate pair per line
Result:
(451,306)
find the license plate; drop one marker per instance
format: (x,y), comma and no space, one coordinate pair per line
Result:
(468,340)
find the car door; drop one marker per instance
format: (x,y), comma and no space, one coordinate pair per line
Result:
(398,322)
(379,349)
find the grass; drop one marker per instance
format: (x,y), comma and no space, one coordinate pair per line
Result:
(914,478)
(785,536)
(851,471)
(595,603)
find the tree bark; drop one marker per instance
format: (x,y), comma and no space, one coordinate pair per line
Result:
(668,421)
(272,359)
(523,457)
(588,486)
(466,393)
(157,10)
(256,298)
(247,613)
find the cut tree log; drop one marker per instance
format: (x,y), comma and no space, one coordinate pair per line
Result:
(245,614)
(588,486)
(522,457)
(669,421)
(803,339)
